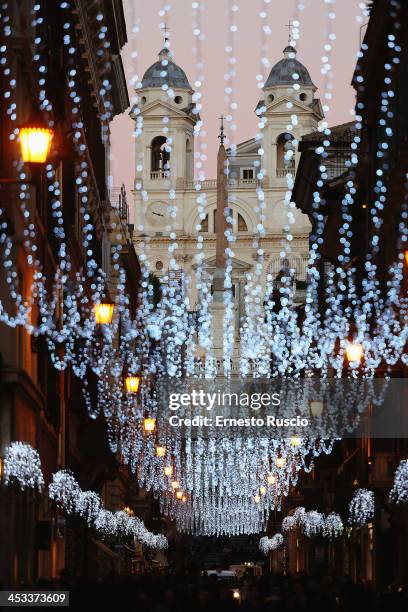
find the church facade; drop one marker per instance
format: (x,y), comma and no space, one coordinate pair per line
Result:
(161,170)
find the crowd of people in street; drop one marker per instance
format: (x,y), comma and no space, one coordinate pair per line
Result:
(195,592)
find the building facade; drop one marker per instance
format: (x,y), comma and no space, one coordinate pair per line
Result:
(40,404)
(166,171)
(377,553)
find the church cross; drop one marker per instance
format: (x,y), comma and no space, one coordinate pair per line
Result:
(289,26)
(166,31)
(221,134)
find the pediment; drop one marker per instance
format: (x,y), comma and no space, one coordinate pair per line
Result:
(280,106)
(248,147)
(237,264)
(160,108)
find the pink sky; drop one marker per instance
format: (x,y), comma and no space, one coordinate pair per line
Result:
(215,27)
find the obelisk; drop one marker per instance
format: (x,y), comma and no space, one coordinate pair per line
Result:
(221,224)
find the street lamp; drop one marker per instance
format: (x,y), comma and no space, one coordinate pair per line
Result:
(316,408)
(168,470)
(179,494)
(354,352)
(271,479)
(175,484)
(149,424)
(160,451)
(35,145)
(132,384)
(280,462)
(35,141)
(103,313)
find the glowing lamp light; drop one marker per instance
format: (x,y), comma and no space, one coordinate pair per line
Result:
(184,499)
(149,424)
(406,257)
(35,142)
(132,384)
(262,490)
(236,595)
(160,452)
(295,441)
(316,408)
(179,494)
(103,313)
(354,352)
(168,470)
(175,484)
(257,499)
(271,479)
(280,462)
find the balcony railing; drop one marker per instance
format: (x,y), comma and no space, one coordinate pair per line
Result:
(282,172)
(212,184)
(159,175)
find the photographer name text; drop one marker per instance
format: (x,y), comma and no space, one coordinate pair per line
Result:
(222,421)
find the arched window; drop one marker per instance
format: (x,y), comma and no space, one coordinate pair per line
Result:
(160,158)
(189,160)
(284,163)
(242,226)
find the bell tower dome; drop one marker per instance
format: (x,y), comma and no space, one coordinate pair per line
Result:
(166,114)
(288,90)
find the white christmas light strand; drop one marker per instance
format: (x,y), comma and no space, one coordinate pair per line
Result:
(22,465)
(399,491)
(314,523)
(361,508)
(202,281)
(266,545)
(295,347)
(333,526)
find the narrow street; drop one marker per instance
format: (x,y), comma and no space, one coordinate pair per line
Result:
(203,305)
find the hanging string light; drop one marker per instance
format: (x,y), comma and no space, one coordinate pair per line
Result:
(399,491)
(22,465)
(216,495)
(266,545)
(361,508)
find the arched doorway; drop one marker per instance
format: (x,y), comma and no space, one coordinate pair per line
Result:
(189,161)
(284,163)
(159,158)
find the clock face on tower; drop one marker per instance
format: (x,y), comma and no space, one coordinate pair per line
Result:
(157,214)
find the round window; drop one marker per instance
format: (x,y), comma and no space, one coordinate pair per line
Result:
(159,265)
(178,99)
(271,98)
(143,100)
(303,97)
